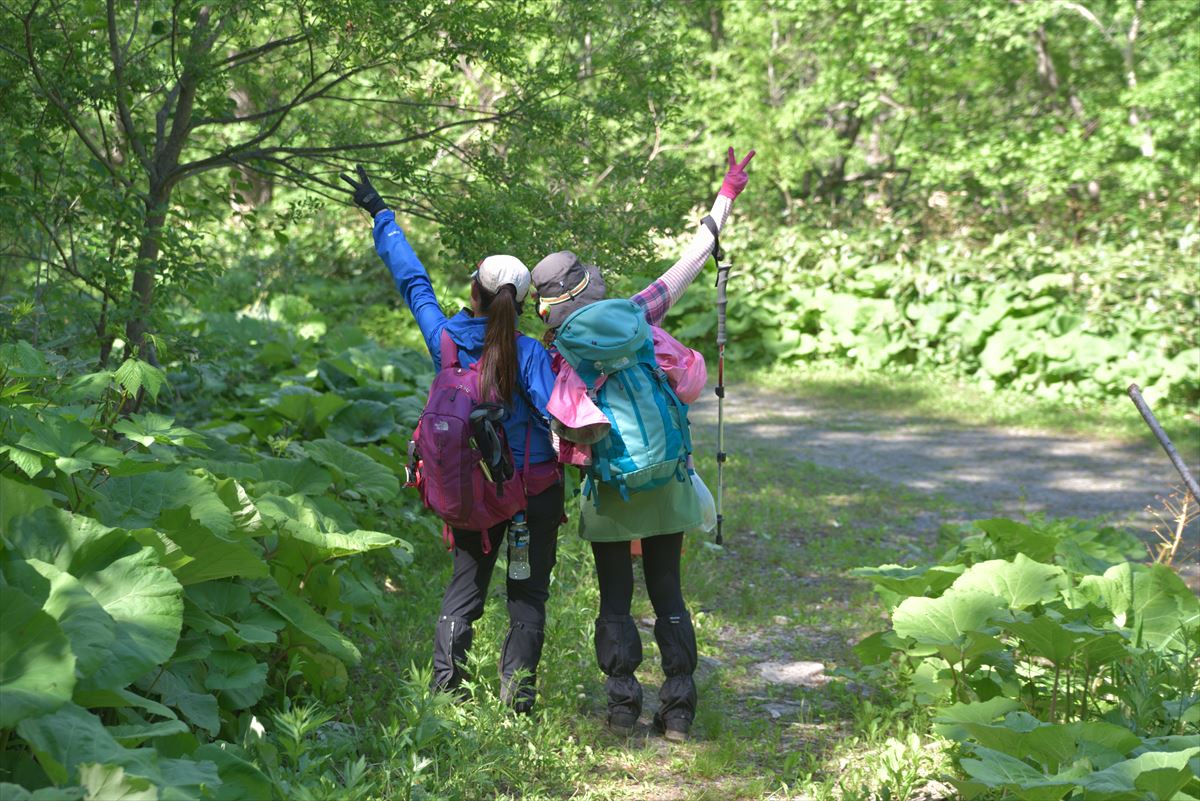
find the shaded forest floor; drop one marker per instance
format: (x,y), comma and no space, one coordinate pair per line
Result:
(813,490)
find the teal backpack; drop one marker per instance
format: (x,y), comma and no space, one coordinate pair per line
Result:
(649,442)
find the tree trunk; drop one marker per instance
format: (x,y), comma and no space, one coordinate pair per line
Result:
(145,275)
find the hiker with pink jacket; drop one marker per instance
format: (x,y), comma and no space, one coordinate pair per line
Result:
(619,408)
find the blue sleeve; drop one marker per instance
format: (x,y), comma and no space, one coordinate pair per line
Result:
(537,375)
(411,279)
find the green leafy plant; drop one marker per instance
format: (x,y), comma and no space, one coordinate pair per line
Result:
(1061,668)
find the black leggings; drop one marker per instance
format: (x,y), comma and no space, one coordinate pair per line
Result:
(660,558)
(467,591)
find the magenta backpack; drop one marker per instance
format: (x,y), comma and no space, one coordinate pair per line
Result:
(459,456)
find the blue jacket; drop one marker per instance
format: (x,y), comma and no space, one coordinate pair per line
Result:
(536,375)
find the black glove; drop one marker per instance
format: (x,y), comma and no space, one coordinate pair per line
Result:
(365,196)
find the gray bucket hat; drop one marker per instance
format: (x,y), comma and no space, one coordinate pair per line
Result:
(564,284)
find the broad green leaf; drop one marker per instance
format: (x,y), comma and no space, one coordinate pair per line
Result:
(245,514)
(85,622)
(234,670)
(302,476)
(72,736)
(308,624)
(907,581)
(23,360)
(27,461)
(144,600)
(240,778)
(134,375)
(138,501)
(55,436)
(360,422)
(71,542)
(1152,601)
(1012,538)
(15,792)
(110,783)
(37,668)
(304,405)
(1045,636)
(147,429)
(226,598)
(359,472)
(948,721)
(1156,775)
(136,733)
(119,699)
(18,498)
(333,544)
(1021,582)
(945,620)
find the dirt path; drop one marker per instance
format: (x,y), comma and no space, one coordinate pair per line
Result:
(989,471)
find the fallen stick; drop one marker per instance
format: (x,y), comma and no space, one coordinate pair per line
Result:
(1189,481)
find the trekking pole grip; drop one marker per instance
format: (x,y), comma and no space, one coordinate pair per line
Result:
(722,300)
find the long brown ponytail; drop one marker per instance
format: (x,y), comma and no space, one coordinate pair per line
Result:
(498,364)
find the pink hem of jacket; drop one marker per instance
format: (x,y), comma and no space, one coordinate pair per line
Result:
(571,406)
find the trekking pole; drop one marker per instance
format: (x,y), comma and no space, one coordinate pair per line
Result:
(722,300)
(1135,395)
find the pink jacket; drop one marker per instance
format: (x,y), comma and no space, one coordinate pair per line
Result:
(570,405)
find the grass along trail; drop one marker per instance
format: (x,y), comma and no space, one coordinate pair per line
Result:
(776,614)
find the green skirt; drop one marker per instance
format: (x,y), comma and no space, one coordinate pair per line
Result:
(664,510)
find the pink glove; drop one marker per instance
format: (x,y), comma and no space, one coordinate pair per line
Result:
(735,176)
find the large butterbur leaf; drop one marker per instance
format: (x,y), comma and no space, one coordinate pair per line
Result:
(359,472)
(362,421)
(144,599)
(201,555)
(88,627)
(73,738)
(1157,776)
(139,501)
(947,620)
(37,668)
(307,624)
(302,476)
(18,498)
(1021,582)
(1152,601)
(71,542)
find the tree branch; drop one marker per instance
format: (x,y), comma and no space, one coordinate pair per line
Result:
(59,103)
(118,74)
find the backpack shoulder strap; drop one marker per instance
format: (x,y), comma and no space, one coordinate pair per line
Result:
(449,350)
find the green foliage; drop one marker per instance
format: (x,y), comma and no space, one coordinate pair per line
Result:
(1072,674)
(160,582)
(1014,312)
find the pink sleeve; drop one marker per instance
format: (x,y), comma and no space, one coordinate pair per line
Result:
(684,367)
(569,401)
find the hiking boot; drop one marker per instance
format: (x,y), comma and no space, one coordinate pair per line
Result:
(676,728)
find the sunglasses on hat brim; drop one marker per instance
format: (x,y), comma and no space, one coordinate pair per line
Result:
(546,305)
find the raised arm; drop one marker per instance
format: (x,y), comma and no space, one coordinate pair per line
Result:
(407,271)
(662,293)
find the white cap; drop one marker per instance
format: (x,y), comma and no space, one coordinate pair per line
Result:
(496,271)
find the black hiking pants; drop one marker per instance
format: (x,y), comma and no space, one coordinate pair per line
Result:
(618,645)
(463,601)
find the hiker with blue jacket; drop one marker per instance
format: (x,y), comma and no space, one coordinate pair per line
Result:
(619,408)
(516,371)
